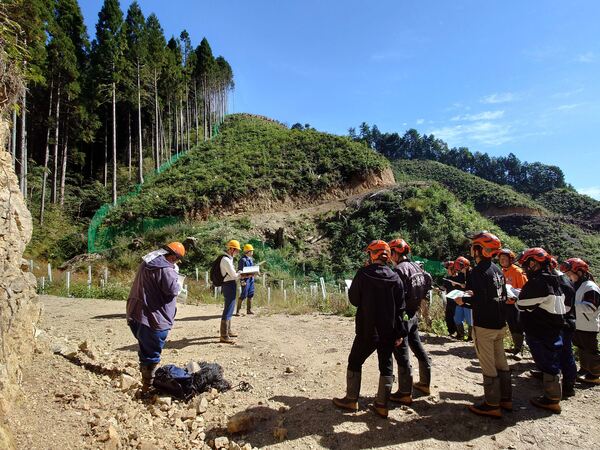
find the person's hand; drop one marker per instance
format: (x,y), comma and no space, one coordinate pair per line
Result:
(459,301)
(469,293)
(511,301)
(398,342)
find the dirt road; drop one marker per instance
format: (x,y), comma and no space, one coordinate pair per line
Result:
(295,365)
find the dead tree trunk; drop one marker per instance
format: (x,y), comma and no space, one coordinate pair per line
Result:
(46,158)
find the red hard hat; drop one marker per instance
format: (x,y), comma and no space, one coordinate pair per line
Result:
(508,252)
(489,243)
(379,249)
(399,246)
(461,262)
(574,265)
(536,253)
(175,248)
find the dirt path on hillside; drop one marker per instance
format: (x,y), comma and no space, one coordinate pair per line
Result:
(295,365)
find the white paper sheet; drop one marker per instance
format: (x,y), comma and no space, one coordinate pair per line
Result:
(456,293)
(251,270)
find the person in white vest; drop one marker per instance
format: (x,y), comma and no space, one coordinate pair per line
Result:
(587,318)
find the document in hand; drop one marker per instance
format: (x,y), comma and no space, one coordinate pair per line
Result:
(251,270)
(456,293)
(512,292)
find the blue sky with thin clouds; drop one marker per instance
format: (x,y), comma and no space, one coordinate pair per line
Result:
(495,76)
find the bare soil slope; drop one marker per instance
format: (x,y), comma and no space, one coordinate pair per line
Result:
(295,364)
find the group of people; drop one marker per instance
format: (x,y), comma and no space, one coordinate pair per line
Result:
(152,301)
(548,308)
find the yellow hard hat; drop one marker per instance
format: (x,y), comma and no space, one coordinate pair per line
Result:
(248,248)
(234,244)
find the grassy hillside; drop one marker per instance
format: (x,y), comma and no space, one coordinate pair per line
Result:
(430,218)
(251,158)
(572,204)
(562,239)
(484,195)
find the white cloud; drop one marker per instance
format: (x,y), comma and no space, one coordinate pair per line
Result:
(587,57)
(420,121)
(503,97)
(567,94)
(568,107)
(592,191)
(485,115)
(485,133)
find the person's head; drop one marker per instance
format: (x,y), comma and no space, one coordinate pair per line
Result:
(535,259)
(175,251)
(506,257)
(379,252)
(248,250)
(449,265)
(461,264)
(576,269)
(400,250)
(233,247)
(484,245)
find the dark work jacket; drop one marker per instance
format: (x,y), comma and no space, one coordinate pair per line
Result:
(459,278)
(568,289)
(542,303)
(378,294)
(489,293)
(416,282)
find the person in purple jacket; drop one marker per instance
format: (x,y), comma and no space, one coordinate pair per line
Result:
(151,306)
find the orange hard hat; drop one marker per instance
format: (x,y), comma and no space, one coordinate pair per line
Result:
(461,263)
(489,243)
(175,248)
(574,265)
(536,253)
(399,246)
(508,252)
(379,249)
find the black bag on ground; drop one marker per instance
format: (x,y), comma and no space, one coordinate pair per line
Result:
(216,277)
(181,384)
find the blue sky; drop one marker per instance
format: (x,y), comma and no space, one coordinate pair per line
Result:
(495,76)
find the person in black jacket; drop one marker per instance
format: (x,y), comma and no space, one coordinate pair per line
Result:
(542,303)
(486,291)
(378,295)
(568,367)
(448,286)
(417,284)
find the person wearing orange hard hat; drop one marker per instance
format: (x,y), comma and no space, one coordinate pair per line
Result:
(152,305)
(542,305)
(486,293)
(515,276)
(378,294)
(587,318)
(462,313)
(229,277)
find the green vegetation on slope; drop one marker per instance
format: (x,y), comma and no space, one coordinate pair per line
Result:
(572,204)
(251,158)
(484,195)
(428,217)
(562,239)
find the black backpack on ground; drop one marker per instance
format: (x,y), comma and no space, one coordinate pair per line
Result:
(216,277)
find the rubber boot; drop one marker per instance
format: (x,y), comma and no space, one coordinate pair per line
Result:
(405,383)
(460,331)
(225,333)
(517,349)
(249,307)
(593,367)
(350,401)
(490,407)
(424,379)
(147,371)
(238,306)
(380,405)
(469,333)
(229,332)
(550,401)
(505,390)
(568,389)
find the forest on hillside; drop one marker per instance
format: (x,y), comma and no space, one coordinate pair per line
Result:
(95,115)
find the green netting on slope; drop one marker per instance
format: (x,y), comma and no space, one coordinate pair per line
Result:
(432,266)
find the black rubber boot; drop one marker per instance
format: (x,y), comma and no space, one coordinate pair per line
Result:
(568,389)
(238,306)
(517,350)
(469,333)
(350,401)
(460,331)
(550,401)
(147,371)
(249,307)
(405,384)
(490,407)
(380,405)
(505,390)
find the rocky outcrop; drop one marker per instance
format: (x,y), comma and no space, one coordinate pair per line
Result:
(19,307)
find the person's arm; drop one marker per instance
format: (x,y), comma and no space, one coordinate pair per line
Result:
(354,291)
(530,297)
(589,303)
(401,326)
(169,284)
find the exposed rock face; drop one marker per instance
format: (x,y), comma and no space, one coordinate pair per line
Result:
(19,308)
